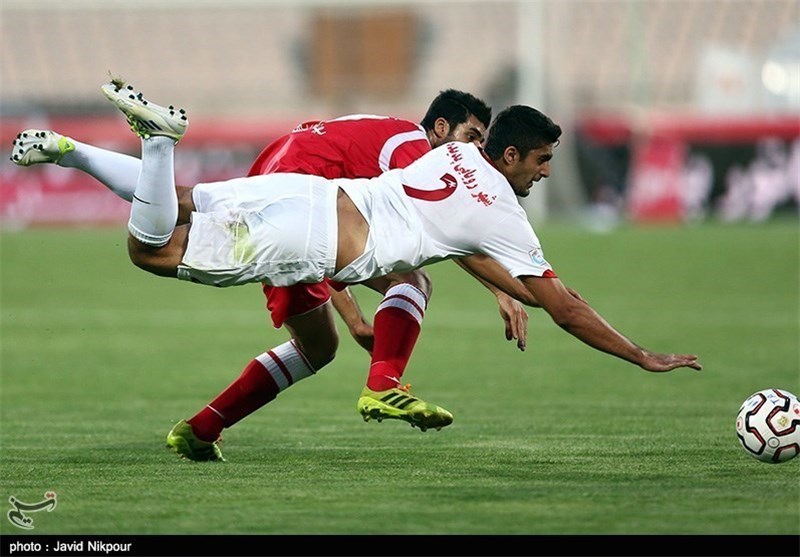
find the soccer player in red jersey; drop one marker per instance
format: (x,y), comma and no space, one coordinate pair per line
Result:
(355,146)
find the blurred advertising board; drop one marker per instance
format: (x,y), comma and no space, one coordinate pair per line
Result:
(677,169)
(48,195)
(664,169)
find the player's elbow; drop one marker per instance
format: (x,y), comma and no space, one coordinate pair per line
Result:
(526,297)
(522,293)
(565,315)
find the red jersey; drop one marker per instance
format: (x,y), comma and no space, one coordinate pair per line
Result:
(355,146)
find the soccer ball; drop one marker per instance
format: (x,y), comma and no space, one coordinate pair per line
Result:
(768,425)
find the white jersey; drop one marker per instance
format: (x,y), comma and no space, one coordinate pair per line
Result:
(452,202)
(281,229)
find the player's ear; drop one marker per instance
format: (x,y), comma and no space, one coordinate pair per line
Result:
(441,128)
(510,155)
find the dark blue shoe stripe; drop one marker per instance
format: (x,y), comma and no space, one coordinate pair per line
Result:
(398,400)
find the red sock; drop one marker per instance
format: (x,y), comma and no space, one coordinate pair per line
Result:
(396,327)
(260,382)
(249,392)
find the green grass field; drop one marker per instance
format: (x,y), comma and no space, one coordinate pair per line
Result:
(99,359)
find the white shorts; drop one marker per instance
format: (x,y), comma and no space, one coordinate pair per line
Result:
(279,229)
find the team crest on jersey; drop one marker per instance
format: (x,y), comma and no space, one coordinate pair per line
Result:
(315,127)
(537,257)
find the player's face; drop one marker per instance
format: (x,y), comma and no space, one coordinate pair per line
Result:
(471,131)
(532,168)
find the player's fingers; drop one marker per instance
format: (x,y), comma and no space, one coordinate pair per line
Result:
(686,360)
(522,330)
(691,361)
(514,325)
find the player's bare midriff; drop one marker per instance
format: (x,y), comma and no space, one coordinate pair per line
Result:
(352,231)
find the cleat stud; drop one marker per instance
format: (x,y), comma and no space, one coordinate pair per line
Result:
(130,87)
(144,102)
(183,117)
(182,111)
(131,96)
(15,158)
(24,135)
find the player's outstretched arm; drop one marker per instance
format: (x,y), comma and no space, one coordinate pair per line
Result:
(496,278)
(579,319)
(346,305)
(511,310)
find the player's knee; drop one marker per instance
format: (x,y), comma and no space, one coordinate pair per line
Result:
(139,256)
(422,281)
(145,262)
(321,350)
(149,259)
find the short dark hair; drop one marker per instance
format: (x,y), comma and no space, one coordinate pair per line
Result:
(522,127)
(456,107)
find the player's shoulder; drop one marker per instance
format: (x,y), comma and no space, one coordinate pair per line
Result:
(463,151)
(376,121)
(368,118)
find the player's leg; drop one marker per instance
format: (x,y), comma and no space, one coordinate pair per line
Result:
(306,313)
(154,212)
(117,171)
(262,379)
(154,204)
(315,335)
(396,327)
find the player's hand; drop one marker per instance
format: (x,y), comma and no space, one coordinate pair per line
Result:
(515,318)
(668,362)
(364,335)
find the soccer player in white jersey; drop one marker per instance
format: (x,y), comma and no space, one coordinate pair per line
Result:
(283,229)
(350,146)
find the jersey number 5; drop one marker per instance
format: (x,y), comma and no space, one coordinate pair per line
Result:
(450,184)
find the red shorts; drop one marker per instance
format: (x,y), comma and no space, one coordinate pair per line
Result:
(289,301)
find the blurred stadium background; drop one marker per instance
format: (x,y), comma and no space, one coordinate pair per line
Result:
(673,110)
(682,113)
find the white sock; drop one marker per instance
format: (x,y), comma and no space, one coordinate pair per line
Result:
(406,297)
(154,209)
(286,364)
(116,171)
